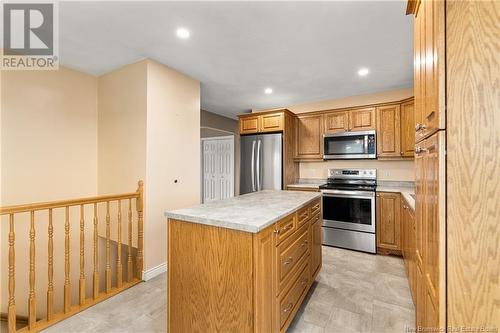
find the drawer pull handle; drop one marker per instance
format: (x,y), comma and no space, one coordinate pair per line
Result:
(288,307)
(304,281)
(304,244)
(285,229)
(288,261)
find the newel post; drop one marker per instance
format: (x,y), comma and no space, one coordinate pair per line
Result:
(140,232)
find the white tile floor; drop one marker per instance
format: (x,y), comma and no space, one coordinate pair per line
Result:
(355,292)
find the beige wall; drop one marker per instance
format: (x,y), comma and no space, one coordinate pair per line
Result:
(386,170)
(49,152)
(172,153)
(122,102)
(380,97)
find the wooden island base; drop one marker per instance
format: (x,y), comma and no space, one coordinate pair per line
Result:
(224,280)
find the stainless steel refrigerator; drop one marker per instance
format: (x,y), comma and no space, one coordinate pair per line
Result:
(261,162)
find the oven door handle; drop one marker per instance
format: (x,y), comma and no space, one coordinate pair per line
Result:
(349,194)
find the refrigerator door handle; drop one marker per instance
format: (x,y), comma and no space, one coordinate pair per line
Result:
(259,142)
(252,168)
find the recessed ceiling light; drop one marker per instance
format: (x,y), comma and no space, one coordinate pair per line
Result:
(363,71)
(182,33)
(268,91)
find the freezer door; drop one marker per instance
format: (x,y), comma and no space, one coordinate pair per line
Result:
(248,151)
(269,162)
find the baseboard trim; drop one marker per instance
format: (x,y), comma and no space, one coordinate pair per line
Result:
(155,271)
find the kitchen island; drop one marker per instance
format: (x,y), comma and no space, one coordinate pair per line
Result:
(242,264)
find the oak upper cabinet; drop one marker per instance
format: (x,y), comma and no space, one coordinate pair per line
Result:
(262,123)
(429,67)
(272,122)
(408,129)
(388,222)
(249,124)
(336,121)
(309,137)
(389,131)
(362,119)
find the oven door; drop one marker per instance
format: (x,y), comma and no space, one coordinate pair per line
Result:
(350,145)
(350,210)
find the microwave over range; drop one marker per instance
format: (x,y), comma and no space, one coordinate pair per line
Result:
(350,145)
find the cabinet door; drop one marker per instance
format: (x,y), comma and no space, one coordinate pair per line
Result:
(388,221)
(316,241)
(263,245)
(408,129)
(432,237)
(421,296)
(430,115)
(337,121)
(362,119)
(309,137)
(271,122)
(411,255)
(388,131)
(249,124)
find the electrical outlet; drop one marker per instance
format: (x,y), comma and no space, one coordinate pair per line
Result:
(387,173)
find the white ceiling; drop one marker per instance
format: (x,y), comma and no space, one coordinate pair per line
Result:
(305,51)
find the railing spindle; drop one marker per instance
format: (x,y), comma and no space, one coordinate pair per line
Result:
(32,295)
(119,269)
(11,312)
(96,255)
(129,258)
(108,266)
(67,284)
(140,233)
(82,256)
(50,273)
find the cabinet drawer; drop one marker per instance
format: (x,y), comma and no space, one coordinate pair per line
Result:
(316,208)
(291,299)
(303,215)
(285,228)
(290,253)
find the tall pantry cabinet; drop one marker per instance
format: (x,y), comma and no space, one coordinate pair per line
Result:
(457,162)
(429,86)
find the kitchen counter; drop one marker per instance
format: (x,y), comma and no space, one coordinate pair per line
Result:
(406,192)
(251,212)
(304,186)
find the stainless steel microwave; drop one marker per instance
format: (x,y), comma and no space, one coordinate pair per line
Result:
(350,145)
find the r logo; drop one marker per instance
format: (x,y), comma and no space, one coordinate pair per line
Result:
(28,29)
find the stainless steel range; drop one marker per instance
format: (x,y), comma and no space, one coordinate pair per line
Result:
(349,209)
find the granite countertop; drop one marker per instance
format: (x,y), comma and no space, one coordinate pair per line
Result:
(310,185)
(251,212)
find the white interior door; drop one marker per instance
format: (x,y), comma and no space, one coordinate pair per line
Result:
(218,168)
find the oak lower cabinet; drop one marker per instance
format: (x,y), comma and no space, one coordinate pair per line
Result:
(388,222)
(225,280)
(408,241)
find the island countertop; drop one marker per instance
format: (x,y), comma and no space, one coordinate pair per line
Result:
(251,212)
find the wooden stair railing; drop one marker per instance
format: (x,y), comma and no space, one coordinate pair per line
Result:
(84,302)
